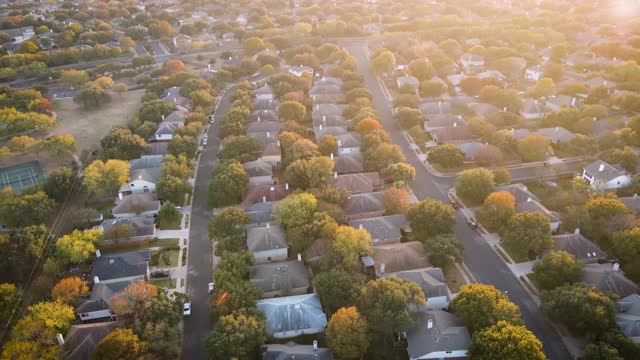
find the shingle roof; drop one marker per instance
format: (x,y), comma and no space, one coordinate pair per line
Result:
(294,351)
(168,127)
(264,115)
(82,339)
(260,212)
(258,168)
(431,280)
(453,133)
(270,237)
(556,134)
(604,277)
(101,295)
(628,316)
(602,171)
(150,174)
(279,276)
(400,257)
(348,163)
(121,265)
(263,126)
(144,226)
(444,120)
(264,194)
(355,183)
(383,227)
(447,333)
(291,316)
(578,246)
(146,161)
(631,202)
(349,140)
(364,203)
(137,203)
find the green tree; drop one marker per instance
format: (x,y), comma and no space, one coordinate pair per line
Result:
(583,309)
(92,96)
(328,145)
(399,172)
(154,110)
(347,333)
(350,244)
(131,303)
(604,215)
(422,69)
(292,110)
(310,173)
(601,351)
(8,298)
(26,209)
(242,148)
(60,145)
(122,144)
(534,147)
(106,177)
(227,228)
(168,215)
(443,250)
(447,156)
(626,247)
(557,268)
(382,156)
(481,306)
(253,44)
(296,209)
(383,62)
(33,239)
(78,246)
(337,289)
(228,184)
(183,145)
(385,303)
(408,117)
(505,341)
(58,183)
(74,78)
(173,189)
(236,336)
(120,344)
(430,218)
(543,88)
(474,185)
(527,234)
(498,208)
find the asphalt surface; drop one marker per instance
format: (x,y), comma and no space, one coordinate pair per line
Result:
(200,253)
(481,260)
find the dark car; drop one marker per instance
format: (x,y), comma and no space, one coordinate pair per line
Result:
(472,222)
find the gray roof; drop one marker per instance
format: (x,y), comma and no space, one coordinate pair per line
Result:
(356,183)
(101,295)
(484,109)
(158,148)
(408,79)
(602,171)
(604,277)
(144,226)
(531,106)
(578,246)
(176,116)
(270,237)
(430,279)
(263,126)
(279,276)
(447,333)
(137,203)
(18,32)
(323,130)
(349,163)
(327,109)
(557,134)
(364,203)
(383,227)
(349,140)
(628,316)
(168,127)
(122,265)
(444,120)
(265,104)
(146,161)
(325,89)
(328,80)
(631,202)
(82,339)
(291,316)
(452,133)
(260,212)
(293,351)
(325,98)
(264,115)
(150,174)
(333,120)
(532,205)
(519,192)
(264,90)
(258,168)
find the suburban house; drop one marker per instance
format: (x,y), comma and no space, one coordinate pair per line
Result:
(631,202)
(456,133)
(443,121)
(472,62)
(166,129)
(471,149)
(558,102)
(281,278)
(264,194)
(267,243)
(348,143)
(348,163)
(532,109)
(142,181)
(272,127)
(558,135)
(383,229)
(628,317)
(395,258)
(82,339)
(325,89)
(321,110)
(484,109)
(98,306)
(292,316)
(366,205)
(609,277)
(271,152)
(265,92)
(157,148)
(356,183)
(143,204)
(292,350)
(602,176)
(432,283)
(437,334)
(408,80)
(300,70)
(258,168)
(578,246)
(534,73)
(433,108)
(21,34)
(260,212)
(526,201)
(264,115)
(146,162)
(116,230)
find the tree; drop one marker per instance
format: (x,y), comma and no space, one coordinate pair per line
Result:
(422,69)
(328,145)
(399,172)
(430,217)
(76,247)
(527,234)
(131,303)
(228,184)
(534,147)
(374,139)
(154,110)
(585,310)
(471,85)
(237,335)
(74,78)
(160,29)
(383,62)
(60,145)
(557,268)
(505,341)
(122,144)
(106,177)
(92,96)
(168,215)
(296,209)
(347,333)
(301,149)
(408,100)
(350,244)
(385,303)
(481,306)
(432,88)
(396,201)
(126,42)
(627,349)
(408,117)
(626,247)
(474,185)
(366,126)
(498,208)
(601,351)
(26,209)
(604,215)
(68,290)
(382,156)
(310,173)
(173,67)
(337,289)
(543,88)
(120,344)
(253,44)
(8,298)
(22,143)
(501,176)
(447,156)
(172,188)
(358,93)
(292,110)
(443,250)
(183,145)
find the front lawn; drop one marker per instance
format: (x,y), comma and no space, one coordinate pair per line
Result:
(164,283)
(165,257)
(169,224)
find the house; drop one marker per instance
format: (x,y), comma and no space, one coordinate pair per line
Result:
(534,73)
(484,109)
(228,36)
(265,104)
(292,350)
(532,109)
(173,96)
(143,204)
(558,102)
(132,265)
(408,80)
(280,278)
(267,243)
(495,74)
(182,41)
(142,181)
(471,62)
(383,229)
(365,205)
(451,134)
(609,277)
(116,230)
(432,283)
(631,202)
(471,149)
(82,339)
(323,130)
(98,305)
(395,258)
(348,143)
(599,81)
(437,334)
(21,34)
(356,183)
(602,176)
(628,317)
(320,111)
(533,205)
(165,130)
(258,168)
(292,316)
(260,212)
(443,121)
(271,152)
(328,80)
(348,163)
(330,121)
(265,92)
(264,115)
(146,162)
(580,247)
(325,98)
(269,193)
(158,148)
(328,89)
(264,129)
(300,70)
(557,134)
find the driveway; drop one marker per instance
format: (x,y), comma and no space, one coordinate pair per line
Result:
(200,253)
(484,264)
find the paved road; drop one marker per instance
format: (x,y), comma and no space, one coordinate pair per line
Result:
(485,265)
(200,253)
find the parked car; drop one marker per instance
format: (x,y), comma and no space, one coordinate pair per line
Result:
(211,288)
(204,140)
(455,204)
(212,119)
(186,309)
(472,222)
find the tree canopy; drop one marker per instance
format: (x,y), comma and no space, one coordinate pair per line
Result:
(430,218)
(481,306)
(557,268)
(506,341)
(347,333)
(473,186)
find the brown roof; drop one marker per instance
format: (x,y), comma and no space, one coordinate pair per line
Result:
(400,257)
(356,183)
(82,339)
(264,193)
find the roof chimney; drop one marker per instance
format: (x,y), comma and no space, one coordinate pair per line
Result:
(97,253)
(162,117)
(339,143)
(635,196)
(60,339)
(529,199)
(120,195)
(268,134)
(96,279)
(278,143)
(286,186)
(320,127)
(299,257)
(429,324)
(324,119)
(601,167)
(268,225)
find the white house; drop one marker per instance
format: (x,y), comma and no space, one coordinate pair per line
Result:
(20,35)
(299,70)
(472,62)
(602,176)
(534,73)
(142,181)
(166,130)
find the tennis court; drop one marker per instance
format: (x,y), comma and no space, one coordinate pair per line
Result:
(21,176)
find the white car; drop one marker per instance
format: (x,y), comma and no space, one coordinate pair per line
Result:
(204,140)
(186,309)
(212,119)
(210,288)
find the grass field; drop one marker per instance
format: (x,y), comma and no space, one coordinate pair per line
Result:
(90,126)
(171,254)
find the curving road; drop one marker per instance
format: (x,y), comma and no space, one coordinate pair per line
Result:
(483,262)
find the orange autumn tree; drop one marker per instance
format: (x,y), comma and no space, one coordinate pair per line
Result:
(367,125)
(69,290)
(131,303)
(498,208)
